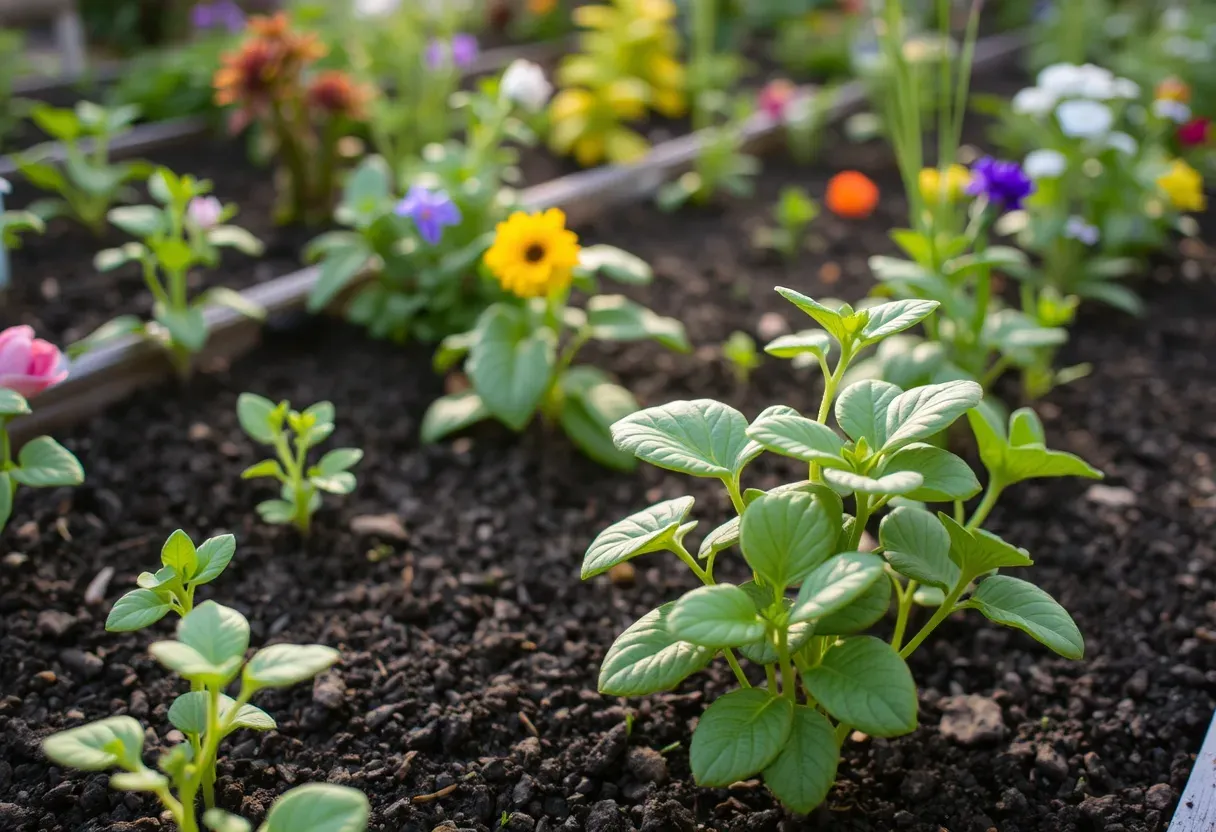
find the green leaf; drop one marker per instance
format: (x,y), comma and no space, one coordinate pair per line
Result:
(980,551)
(13,403)
(137,609)
(703,438)
(110,331)
(740,734)
(217,820)
(510,367)
(989,436)
(179,554)
(798,437)
(918,546)
(213,558)
(276,511)
(861,410)
(586,421)
(829,319)
(115,741)
(616,264)
(43,463)
(946,476)
(144,780)
(647,658)
(886,319)
(281,665)
(233,236)
(864,682)
(339,460)
(265,468)
(138,220)
(450,414)
(174,255)
(1020,604)
(187,327)
(814,342)
(188,713)
(716,616)
(343,482)
(337,270)
(786,535)
(860,615)
(1025,428)
(318,807)
(835,585)
(650,530)
(163,577)
(254,413)
(616,318)
(6,499)
(721,538)
(805,770)
(219,634)
(236,301)
(903,482)
(924,411)
(1030,462)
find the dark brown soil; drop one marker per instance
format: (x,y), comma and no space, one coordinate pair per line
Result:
(466,695)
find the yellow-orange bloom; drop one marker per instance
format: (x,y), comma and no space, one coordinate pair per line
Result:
(533,255)
(852,195)
(541,7)
(957,179)
(1173,89)
(1184,187)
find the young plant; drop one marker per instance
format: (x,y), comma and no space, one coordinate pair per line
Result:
(520,354)
(627,66)
(292,435)
(422,251)
(739,351)
(186,230)
(209,653)
(814,594)
(793,213)
(12,225)
(303,114)
(28,366)
(87,184)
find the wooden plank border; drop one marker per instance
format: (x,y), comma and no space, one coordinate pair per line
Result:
(111,373)
(1196,810)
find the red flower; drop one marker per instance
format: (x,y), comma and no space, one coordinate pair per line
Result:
(1195,132)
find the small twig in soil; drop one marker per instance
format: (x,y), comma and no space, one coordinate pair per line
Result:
(404,770)
(427,798)
(528,726)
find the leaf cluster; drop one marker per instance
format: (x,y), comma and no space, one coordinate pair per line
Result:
(40,463)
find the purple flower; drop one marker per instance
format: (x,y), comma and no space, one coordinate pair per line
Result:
(224,14)
(461,51)
(1003,183)
(430,210)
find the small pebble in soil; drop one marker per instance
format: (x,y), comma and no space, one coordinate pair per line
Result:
(1159,796)
(55,623)
(1050,762)
(605,816)
(971,720)
(646,765)
(608,750)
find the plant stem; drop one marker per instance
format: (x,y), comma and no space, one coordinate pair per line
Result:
(940,615)
(707,578)
(734,665)
(904,610)
(704,24)
(736,495)
(859,522)
(995,487)
(789,683)
(770,671)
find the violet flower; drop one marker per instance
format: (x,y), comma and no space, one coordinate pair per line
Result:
(431,212)
(1004,184)
(461,51)
(220,14)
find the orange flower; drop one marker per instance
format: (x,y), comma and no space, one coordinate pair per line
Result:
(248,75)
(851,195)
(540,8)
(335,93)
(1173,89)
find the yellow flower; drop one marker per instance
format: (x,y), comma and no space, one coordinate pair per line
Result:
(1184,187)
(533,254)
(957,179)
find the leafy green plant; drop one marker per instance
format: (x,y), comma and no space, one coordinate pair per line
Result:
(171,83)
(87,184)
(740,353)
(12,67)
(519,356)
(293,434)
(40,463)
(721,164)
(209,653)
(185,230)
(814,593)
(793,213)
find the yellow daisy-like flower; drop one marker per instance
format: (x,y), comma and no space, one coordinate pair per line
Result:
(957,179)
(1184,187)
(533,254)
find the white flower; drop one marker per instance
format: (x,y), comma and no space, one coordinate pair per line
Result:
(1175,111)
(375,8)
(1084,119)
(205,212)
(1078,229)
(1126,88)
(1060,79)
(1122,142)
(1044,164)
(524,83)
(1033,101)
(1175,18)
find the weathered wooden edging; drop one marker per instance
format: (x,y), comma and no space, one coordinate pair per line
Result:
(111,373)
(159,135)
(1196,810)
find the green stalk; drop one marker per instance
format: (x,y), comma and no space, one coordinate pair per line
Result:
(904,610)
(995,487)
(704,25)
(789,683)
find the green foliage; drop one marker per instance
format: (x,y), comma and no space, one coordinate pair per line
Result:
(209,653)
(86,182)
(519,359)
(172,83)
(293,434)
(740,353)
(814,595)
(185,230)
(793,213)
(40,463)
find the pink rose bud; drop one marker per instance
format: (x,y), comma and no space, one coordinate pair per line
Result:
(1195,132)
(775,98)
(204,211)
(29,365)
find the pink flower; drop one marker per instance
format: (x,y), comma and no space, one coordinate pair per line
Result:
(205,211)
(29,365)
(1195,132)
(775,98)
